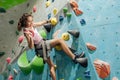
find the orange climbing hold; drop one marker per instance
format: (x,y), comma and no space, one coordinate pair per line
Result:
(90,46)
(77,11)
(102,68)
(74,4)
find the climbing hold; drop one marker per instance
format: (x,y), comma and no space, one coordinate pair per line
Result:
(87,76)
(87,72)
(2,10)
(77,11)
(2,53)
(34,9)
(53,0)
(37,64)
(17,33)
(90,46)
(43,33)
(73,4)
(8,60)
(65,10)
(13,51)
(49,15)
(68,15)
(75,33)
(65,36)
(102,68)
(10,77)
(61,18)
(11,21)
(15,71)
(47,3)
(58,47)
(79,78)
(82,21)
(48,26)
(20,39)
(28,4)
(55,11)
(53,21)
(83,62)
(23,63)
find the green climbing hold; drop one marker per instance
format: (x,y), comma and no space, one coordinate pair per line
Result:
(65,10)
(79,78)
(37,64)
(11,21)
(17,33)
(2,53)
(23,63)
(2,10)
(43,33)
(69,14)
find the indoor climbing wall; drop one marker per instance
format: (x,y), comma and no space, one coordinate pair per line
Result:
(102,29)
(10,12)
(98,23)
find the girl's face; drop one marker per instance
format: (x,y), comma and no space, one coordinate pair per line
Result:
(29,21)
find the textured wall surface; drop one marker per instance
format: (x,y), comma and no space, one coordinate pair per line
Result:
(101,29)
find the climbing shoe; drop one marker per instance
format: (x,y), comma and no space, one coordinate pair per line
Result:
(82,61)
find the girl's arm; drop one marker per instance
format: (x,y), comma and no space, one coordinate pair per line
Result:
(38,24)
(29,40)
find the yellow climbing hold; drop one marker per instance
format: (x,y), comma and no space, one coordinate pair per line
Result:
(65,36)
(55,11)
(58,47)
(47,3)
(53,21)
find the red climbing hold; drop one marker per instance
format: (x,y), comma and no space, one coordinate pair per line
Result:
(10,77)
(8,60)
(34,9)
(20,39)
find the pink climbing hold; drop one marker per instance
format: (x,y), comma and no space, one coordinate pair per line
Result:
(34,9)
(8,60)
(10,77)
(20,39)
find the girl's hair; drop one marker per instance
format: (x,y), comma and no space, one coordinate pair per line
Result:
(23,21)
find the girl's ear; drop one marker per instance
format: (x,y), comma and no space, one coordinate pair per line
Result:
(19,27)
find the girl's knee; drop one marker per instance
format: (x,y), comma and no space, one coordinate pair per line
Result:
(60,40)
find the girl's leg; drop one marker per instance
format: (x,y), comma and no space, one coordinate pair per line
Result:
(52,68)
(75,58)
(63,45)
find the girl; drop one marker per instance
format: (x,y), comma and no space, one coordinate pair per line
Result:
(35,40)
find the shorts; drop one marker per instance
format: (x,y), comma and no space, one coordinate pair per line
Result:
(39,48)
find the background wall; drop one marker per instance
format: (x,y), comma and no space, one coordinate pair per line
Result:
(8,36)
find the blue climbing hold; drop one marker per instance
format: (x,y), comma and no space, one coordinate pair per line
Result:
(61,18)
(83,22)
(49,15)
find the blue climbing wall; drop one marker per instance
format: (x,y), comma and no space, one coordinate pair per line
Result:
(102,29)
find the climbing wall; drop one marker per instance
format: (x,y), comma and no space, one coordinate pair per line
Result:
(102,29)
(10,12)
(98,25)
